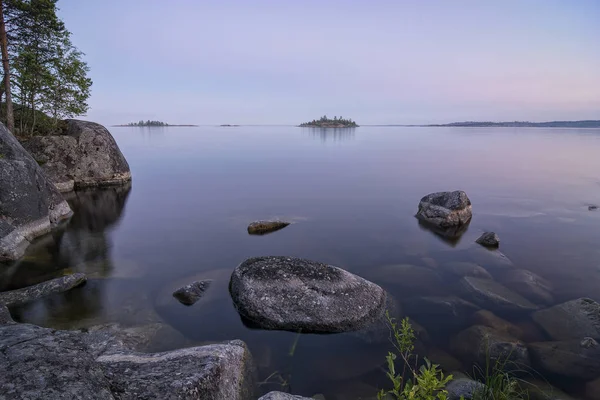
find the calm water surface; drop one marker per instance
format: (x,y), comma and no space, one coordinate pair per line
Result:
(352,195)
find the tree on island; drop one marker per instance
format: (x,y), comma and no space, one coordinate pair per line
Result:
(148,123)
(43,71)
(325,122)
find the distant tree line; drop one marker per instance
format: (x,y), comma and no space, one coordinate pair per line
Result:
(527,124)
(44,76)
(148,123)
(326,122)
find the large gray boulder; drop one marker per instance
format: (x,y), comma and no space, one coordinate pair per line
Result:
(29,203)
(296,294)
(84,155)
(445,209)
(41,363)
(34,292)
(491,295)
(574,319)
(579,358)
(479,344)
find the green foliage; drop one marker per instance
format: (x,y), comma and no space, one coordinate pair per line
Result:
(47,71)
(426,383)
(148,123)
(499,384)
(326,122)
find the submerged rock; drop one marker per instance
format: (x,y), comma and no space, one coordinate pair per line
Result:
(84,155)
(579,358)
(491,320)
(491,295)
(31,293)
(461,269)
(29,203)
(479,344)
(592,390)
(264,227)
(489,239)
(574,319)
(282,396)
(296,294)
(191,293)
(439,310)
(445,209)
(528,285)
(542,390)
(409,278)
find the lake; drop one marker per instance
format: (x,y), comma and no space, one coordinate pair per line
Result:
(351,195)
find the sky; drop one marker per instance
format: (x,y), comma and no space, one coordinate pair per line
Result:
(375,61)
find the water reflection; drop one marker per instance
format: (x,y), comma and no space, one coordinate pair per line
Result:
(333,134)
(450,235)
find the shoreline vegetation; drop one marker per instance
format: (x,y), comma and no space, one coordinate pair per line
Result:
(325,122)
(513,124)
(149,123)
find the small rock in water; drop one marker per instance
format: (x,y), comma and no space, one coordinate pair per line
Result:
(264,227)
(489,239)
(445,209)
(34,292)
(191,293)
(592,208)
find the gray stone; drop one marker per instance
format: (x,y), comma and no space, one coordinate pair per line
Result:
(491,260)
(30,205)
(491,295)
(528,285)
(31,293)
(489,319)
(41,363)
(263,227)
(5,317)
(489,239)
(479,344)
(282,396)
(84,155)
(579,358)
(296,294)
(463,388)
(574,319)
(191,293)
(219,371)
(461,269)
(445,209)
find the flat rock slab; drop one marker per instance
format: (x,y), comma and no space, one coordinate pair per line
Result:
(529,285)
(189,294)
(489,239)
(445,209)
(220,371)
(460,269)
(574,319)
(579,358)
(264,227)
(31,293)
(493,296)
(296,294)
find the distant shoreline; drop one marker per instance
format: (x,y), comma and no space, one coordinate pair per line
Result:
(152,126)
(514,124)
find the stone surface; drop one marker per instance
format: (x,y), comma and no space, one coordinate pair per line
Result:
(219,371)
(444,359)
(574,319)
(264,227)
(41,363)
(5,317)
(592,390)
(189,294)
(436,310)
(529,285)
(489,239)
(491,320)
(296,294)
(542,390)
(31,293)
(578,358)
(479,343)
(491,295)
(445,209)
(29,203)
(282,396)
(491,260)
(84,155)
(461,269)
(463,388)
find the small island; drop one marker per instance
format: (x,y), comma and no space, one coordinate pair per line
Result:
(325,122)
(151,123)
